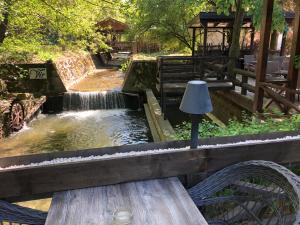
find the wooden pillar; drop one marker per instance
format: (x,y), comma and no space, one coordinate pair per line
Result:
(223,41)
(205,39)
(252,38)
(261,68)
(293,72)
(194,41)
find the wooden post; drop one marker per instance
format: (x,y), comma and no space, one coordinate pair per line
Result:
(293,72)
(223,41)
(261,68)
(252,38)
(205,40)
(194,41)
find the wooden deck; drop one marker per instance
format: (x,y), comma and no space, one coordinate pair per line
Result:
(174,72)
(179,88)
(155,202)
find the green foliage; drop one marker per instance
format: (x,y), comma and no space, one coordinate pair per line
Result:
(13,72)
(168,20)
(246,126)
(125,66)
(165,20)
(297,62)
(35,27)
(254,8)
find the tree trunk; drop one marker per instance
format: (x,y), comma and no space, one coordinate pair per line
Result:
(4,22)
(274,40)
(234,51)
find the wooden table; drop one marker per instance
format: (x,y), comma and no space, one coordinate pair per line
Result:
(155,202)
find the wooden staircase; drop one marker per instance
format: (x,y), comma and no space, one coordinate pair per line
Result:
(175,72)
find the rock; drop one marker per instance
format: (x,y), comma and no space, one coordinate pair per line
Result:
(3,87)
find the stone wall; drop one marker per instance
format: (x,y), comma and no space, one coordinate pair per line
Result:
(70,69)
(229,105)
(141,75)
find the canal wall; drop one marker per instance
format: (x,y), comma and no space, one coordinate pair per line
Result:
(69,69)
(140,76)
(229,105)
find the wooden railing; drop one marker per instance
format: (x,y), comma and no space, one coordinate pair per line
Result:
(244,82)
(137,162)
(178,70)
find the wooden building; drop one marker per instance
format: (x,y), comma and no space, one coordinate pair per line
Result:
(212,33)
(114,31)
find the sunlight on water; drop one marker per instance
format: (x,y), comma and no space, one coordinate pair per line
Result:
(74,131)
(78,130)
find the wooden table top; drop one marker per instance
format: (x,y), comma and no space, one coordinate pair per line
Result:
(155,202)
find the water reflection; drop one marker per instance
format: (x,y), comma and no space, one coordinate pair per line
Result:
(78,130)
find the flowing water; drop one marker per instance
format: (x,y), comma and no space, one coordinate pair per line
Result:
(90,120)
(93,100)
(78,130)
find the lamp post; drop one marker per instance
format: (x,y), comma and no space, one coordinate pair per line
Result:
(196,102)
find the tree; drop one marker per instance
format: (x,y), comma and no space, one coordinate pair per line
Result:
(167,19)
(250,7)
(32,24)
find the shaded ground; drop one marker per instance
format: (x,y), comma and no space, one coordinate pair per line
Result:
(101,80)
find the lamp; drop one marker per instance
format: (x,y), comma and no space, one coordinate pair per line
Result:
(196,102)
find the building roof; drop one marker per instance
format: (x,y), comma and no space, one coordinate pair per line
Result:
(112,24)
(221,20)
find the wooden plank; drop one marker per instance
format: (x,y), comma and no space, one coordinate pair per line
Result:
(265,32)
(163,126)
(42,180)
(244,73)
(155,202)
(280,99)
(179,88)
(295,50)
(151,123)
(37,158)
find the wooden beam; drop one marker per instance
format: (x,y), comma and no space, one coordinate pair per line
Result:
(295,50)
(205,40)
(261,69)
(30,182)
(194,41)
(252,38)
(278,98)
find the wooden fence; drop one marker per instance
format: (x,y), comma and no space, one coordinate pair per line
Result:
(32,182)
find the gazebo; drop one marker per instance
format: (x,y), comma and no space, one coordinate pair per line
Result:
(114,31)
(212,33)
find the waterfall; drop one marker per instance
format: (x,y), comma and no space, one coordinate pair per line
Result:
(93,100)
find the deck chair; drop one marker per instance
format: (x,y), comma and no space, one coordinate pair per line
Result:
(14,214)
(249,193)
(247,62)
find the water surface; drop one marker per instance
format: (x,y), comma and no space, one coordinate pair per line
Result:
(78,130)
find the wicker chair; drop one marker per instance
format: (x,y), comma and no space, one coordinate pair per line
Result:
(249,193)
(14,214)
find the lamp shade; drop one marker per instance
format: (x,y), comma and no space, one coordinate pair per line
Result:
(196,99)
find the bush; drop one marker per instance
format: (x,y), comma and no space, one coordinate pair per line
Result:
(246,126)
(125,66)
